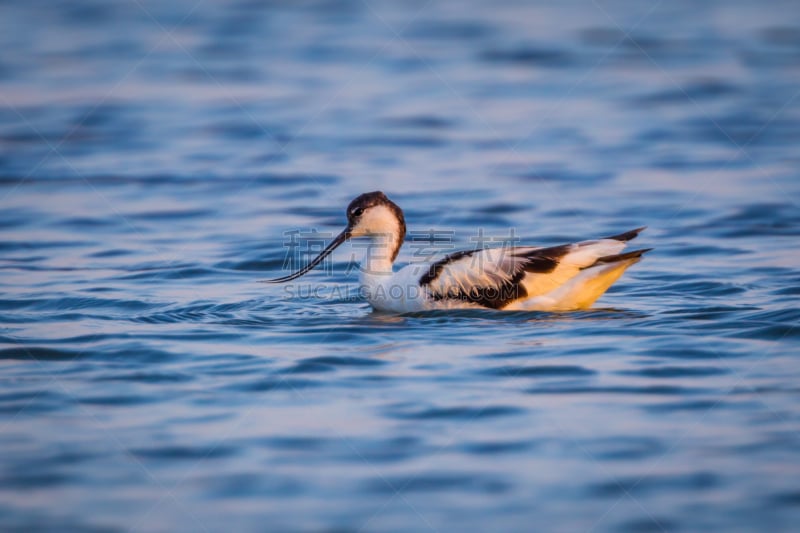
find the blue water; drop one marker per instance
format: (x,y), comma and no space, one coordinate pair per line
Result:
(156,156)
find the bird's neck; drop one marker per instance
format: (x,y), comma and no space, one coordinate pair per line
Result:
(380,251)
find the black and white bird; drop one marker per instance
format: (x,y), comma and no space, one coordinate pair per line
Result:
(554,278)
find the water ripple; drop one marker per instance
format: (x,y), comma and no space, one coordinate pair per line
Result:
(404,412)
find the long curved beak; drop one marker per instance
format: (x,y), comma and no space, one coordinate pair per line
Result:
(343,236)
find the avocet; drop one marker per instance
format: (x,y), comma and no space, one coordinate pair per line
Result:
(554,278)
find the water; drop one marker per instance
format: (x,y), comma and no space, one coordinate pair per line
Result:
(155,155)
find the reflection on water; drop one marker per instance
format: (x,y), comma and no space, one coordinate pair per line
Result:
(154,155)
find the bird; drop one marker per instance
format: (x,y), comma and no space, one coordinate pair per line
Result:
(567,277)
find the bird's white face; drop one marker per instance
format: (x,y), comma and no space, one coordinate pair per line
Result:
(375,220)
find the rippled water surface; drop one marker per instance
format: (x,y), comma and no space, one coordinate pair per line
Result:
(156,156)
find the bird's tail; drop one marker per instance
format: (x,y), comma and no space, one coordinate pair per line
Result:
(587,286)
